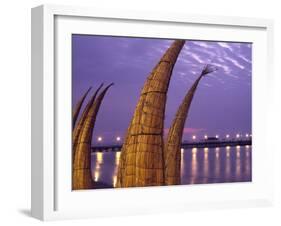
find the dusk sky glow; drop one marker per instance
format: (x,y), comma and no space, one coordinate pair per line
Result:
(222,103)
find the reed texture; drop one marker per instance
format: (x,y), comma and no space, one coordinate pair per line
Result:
(172,149)
(82,177)
(142,159)
(78,108)
(77,129)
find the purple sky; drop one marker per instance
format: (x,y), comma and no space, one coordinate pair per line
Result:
(221,105)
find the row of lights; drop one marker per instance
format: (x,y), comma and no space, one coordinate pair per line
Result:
(100,139)
(194,150)
(217,148)
(226,136)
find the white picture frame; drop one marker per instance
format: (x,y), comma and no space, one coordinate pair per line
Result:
(51,196)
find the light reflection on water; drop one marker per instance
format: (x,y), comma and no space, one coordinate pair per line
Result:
(198,165)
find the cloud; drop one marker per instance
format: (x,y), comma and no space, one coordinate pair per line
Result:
(202,44)
(244,58)
(207,84)
(197,58)
(186,61)
(224,67)
(207,52)
(188,130)
(160,49)
(228,57)
(235,62)
(226,46)
(221,60)
(233,76)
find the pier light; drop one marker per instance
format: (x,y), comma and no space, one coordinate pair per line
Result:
(206,150)
(182,150)
(217,136)
(217,151)
(247,135)
(227,147)
(194,150)
(96,176)
(238,147)
(237,135)
(206,137)
(117,157)
(114,180)
(99,158)
(227,136)
(238,154)
(193,137)
(99,139)
(118,138)
(217,154)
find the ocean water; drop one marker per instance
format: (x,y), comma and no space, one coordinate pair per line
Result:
(198,165)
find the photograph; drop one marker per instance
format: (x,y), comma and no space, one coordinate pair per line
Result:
(160,111)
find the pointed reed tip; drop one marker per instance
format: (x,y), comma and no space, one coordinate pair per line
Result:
(98,89)
(209,68)
(101,85)
(107,87)
(111,84)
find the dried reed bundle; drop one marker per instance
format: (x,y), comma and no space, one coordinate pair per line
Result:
(172,147)
(78,108)
(82,178)
(142,161)
(78,127)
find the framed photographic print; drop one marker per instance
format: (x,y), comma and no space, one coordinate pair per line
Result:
(142,113)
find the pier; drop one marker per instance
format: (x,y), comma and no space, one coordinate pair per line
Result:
(184,145)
